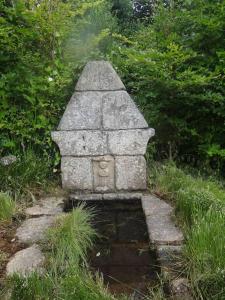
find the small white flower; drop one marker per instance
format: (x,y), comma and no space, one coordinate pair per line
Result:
(54,170)
(98,254)
(50,79)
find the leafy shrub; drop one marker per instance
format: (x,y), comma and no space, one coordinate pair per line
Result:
(175,70)
(37,70)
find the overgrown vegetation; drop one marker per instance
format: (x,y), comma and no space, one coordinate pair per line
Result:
(68,275)
(7,207)
(200,207)
(175,69)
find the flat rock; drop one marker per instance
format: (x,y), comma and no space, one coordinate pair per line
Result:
(130,173)
(26,262)
(34,230)
(153,205)
(161,228)
(163,231)
(46,206)
(120,112)
(8,160)
(129,142)
(99,76)
(180,289)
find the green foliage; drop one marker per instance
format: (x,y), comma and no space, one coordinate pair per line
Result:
(37,74)
(175,70)
(29,172)
(7,208)
(67,276)
(200,206)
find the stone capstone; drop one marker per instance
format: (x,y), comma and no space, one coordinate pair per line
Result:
(102,135)
(26,261)
(99,76)
(34,230)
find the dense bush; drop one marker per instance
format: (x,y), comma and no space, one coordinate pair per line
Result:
(175,69)
(43,46)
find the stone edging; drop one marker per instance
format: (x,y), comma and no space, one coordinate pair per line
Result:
(167,239)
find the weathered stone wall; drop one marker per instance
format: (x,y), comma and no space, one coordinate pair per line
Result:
(102,135)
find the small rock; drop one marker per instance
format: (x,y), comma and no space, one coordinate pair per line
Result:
(33,230)
(26,262)
(8,160)
(180,289)
(47,206)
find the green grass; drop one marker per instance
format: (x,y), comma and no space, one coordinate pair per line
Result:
(68,275)
(7,207)
(200,208)
(29,173)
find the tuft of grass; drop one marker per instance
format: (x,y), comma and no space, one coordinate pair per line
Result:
(200,206)
(7,207)
(68,276)
(29,172)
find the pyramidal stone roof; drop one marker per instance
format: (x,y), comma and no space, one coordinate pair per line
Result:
(100,102)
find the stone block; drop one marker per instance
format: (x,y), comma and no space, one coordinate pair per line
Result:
(163,231)
(77,173)
(81,143)
(26,261)
(122,196)
(120,112)
(99,76)
(84,111)
(130,172)
(103,170)
(129,142)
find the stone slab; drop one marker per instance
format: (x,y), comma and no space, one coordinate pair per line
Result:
(34,230)
(81,143)
(46,206)
(153,205)
(84,111)
(163,231)
(130,173)
(99,76)
(120,112)
(103,173)
(129,142)
(86,197)
(122,196)
(26,261)
(77,173)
